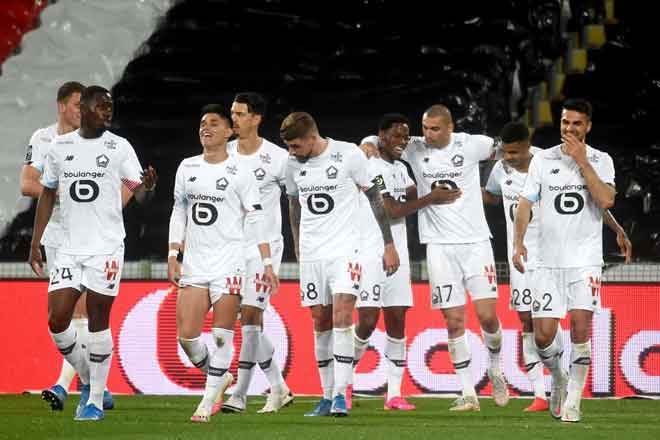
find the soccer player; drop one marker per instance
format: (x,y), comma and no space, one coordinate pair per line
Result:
(458,251)
(394,293)
(215,195)
(323,180)
(267,163)
(504,186)
(88,167)
(573,184)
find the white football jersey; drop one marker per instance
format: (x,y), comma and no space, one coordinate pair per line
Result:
(36,156)
(570,221)
(212,201)
(507,182)
(396,180)
(327,189)
(454,166)
(268,166)
(88,174)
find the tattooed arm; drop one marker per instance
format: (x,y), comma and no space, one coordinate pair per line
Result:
(390,256)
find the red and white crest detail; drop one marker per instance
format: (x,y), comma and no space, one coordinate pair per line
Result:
(260,284)
(489,271)
(111,270)
(355,270)
(234,285)
(594,283)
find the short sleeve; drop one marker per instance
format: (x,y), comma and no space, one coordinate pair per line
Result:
(360,171)
(532,188)
(493,185)
(479,147)
(50,175)
(375,169)
(605,169)
(280,171)
(35,154)
(248,192)
(290,182)
(130,170)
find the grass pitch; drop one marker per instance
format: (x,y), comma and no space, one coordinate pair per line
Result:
(148,417)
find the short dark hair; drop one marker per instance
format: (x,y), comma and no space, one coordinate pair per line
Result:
(297,125)
(514,132)
(217,109)
(67,89)
(90,93)
(389,119)
(579,105)
(256,103)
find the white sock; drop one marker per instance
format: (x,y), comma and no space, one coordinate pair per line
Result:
(270,368)
(218,365)
(395,352)
(360,348)
(533,365)
(247,358)
(551,355)
(459,351)
(72,351)
(494,344)
(580,361)
(197,352)
(344,350)
(99,348)
(323,347)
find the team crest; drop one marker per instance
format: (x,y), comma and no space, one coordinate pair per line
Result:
(355,270)
(331,172)
(102,161)
(457,160)
(221,184)
(111,270)
(260,284)
(234,285)
(259,173)
(110,145)
(594,283)
(489,271)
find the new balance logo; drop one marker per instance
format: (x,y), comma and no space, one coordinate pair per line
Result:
(508,182)
(69,157)
(192,178)
(303,173)
(554,171)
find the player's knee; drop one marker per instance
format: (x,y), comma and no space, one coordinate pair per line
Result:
(57,324)
(322,319)
(342,317)
(543,339)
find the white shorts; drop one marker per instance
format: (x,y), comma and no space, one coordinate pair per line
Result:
(99,273)
(557,291)
(51,254)
(228,283)
(255,293)
(379,290)
(521,290)
(321,279)
(455,269)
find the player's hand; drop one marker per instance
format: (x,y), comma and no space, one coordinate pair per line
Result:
(391,261)
(173,270)
(271,279)
(370,150)
(149,178)
(624,245)
(519,255)
(36,261)
(444,196)
(575,148)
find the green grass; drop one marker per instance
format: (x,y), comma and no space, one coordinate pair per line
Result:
(148,417)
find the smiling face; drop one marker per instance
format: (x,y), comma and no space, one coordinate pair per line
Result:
(516,154)
(97,112)
(69,110)
(437,130)
(576,123)
(394,140)
(214,130)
